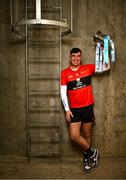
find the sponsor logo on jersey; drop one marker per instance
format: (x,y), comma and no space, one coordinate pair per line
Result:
(79,83)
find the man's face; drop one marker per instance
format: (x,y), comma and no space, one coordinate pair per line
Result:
(75,59)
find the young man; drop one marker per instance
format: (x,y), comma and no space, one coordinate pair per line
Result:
(77,98)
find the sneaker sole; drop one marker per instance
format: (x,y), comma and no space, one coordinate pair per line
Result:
(87,170)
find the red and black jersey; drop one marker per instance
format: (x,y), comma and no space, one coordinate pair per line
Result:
(78,84)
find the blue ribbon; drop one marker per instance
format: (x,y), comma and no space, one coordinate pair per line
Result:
(102,57)
(106,49)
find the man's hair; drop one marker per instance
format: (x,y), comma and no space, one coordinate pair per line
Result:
(75,50)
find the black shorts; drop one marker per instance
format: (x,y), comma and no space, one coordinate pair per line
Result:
(84,114)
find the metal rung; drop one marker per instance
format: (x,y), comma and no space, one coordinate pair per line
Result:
(45,140)
(45,109)
(39,43)
(44,60)
(43,77)
(41,125)
(44,93)
(45,154)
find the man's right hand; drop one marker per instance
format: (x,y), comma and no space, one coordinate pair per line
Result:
(68,116)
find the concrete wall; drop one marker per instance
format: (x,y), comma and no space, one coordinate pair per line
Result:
(109,132)
(12,88)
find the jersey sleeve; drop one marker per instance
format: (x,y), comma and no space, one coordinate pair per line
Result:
(63,78)
(63,91)
(92,68)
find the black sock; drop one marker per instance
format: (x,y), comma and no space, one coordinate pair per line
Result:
(90,151)
(85,155)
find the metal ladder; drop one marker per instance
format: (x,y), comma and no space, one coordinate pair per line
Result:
(42,72)
(43,48)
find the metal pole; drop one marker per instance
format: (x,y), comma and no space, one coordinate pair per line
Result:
(27,86)
(11,12)
(71,16)
(60,56)
(38,9)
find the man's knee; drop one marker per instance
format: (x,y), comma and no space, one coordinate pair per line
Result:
(74,137)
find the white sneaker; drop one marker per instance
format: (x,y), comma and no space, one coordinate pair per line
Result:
(86,163)
(94,158)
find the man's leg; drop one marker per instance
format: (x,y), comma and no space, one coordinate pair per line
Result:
(75,135)
(87,131)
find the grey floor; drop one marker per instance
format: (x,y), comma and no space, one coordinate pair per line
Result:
(109,168)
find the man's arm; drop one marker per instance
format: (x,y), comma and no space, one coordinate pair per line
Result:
(64,97)
(65,102)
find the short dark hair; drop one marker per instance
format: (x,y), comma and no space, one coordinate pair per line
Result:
(75,50)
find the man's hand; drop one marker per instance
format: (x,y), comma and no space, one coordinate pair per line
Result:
(68,116)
